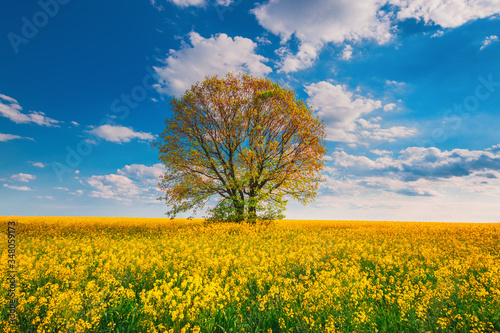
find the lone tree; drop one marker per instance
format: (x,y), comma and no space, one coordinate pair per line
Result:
(245,140)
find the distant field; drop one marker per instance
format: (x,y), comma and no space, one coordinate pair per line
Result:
(156,275)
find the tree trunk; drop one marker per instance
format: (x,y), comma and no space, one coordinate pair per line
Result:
(252,211)
(239,207)
(252,215)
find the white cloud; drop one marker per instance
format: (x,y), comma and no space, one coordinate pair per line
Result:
(18,188)
(224,2)
(49,197)
(156,5)
(389,134)
(369,124)
(356,187)
(75,123)
(186,3)
(381,152)
(7,137)
(119,134)
(308,52)
(77,192)
(11,109)
(414,163)
(61,188)
(113,186)
(347,52)
(415,184)
(179,3)
(446,13)
(438,34)
(216,55)
(318,22)
(142,172)
(38,164)
(22,177)
(322,21)
(342,111)
(389,206)
(394,83)
(362,163)
(134,182)
(263,40)
(389,107)
(339,107)
(488,40)
(338,187)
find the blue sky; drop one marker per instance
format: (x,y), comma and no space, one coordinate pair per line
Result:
(409,90)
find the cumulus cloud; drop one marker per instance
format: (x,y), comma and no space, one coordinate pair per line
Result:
(415,172)
(142,172)
(323,21)
(488,40)
(119,134)
(445,13)
(18,188)
(487,175)
(422,188)
(375,132)
(415,184)
(22,177)
(416,163)
(317,22)
(389,107)
(216,55)
(113,186)
(339,108)
(134,182)
(347,52)
(343,110)
(10,108)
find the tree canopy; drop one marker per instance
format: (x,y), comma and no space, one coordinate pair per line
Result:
(247,143)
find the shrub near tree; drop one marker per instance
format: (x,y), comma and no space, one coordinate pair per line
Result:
(244,141)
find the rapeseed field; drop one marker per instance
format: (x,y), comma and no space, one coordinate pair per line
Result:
(158,275)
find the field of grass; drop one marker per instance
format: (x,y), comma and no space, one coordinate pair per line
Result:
(157,275)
